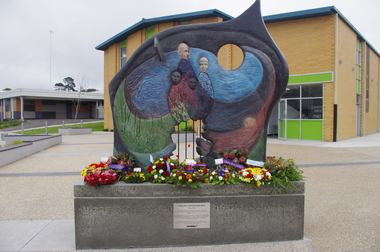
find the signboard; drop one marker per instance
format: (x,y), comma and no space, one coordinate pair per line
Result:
(191,215)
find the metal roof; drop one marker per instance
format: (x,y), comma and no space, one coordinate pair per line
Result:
(51,94)
(146,23)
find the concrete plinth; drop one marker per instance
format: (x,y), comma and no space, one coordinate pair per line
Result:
(142,215)
(74,131)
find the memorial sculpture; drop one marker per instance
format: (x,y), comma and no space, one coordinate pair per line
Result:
(175,76)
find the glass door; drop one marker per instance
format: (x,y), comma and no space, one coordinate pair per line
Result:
(282,119)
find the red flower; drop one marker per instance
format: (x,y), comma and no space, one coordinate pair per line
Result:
(244,152)
(249,175)
(165,158)
(231,155)
(225,155)
(242,159)
(150,169)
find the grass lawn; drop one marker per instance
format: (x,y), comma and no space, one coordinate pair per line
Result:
(98,126)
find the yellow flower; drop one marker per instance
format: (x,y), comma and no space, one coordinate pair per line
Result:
(258,183)
(190,180)
(180,177)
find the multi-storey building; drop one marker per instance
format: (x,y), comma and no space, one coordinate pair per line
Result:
(333,90)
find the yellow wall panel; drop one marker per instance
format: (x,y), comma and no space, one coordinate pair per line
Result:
(307,44)
(345,76)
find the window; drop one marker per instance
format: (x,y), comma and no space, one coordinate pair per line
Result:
(149,32)
(123,53)
(304,102)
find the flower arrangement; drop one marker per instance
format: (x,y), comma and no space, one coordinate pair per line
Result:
(283,171)
(134,177)
(235,159)
(222,175)
(192,174)
(120,162)
(161,169)
(99,174)
(278,173)
(256,176)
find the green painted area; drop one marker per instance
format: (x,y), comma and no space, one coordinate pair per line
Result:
(293,129)
(123,44)
(140,135)
(258,152)
(311,78)
(311,130)
(150,32)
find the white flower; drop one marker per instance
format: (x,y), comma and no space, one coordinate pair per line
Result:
(211,177)
(213,173)
(160,171)
(155,176)
(268,174)
(258,177)
(162,178)
(220,178)
(245,173)
(161,159)
(154,167)
(233,175)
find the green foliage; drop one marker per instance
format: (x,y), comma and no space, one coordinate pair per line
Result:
(185,126)
(12,144)
(7,124)
(91,90)
(98,126)
(284,172)
(6,89)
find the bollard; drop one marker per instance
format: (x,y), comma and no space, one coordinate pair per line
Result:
(46,126)
(22,128)
(81,123)
(63,124)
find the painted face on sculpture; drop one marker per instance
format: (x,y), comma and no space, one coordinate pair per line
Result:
(183,51)
(193,83)
(203,64)
(175,77)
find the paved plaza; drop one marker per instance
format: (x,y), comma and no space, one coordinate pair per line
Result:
(341,210)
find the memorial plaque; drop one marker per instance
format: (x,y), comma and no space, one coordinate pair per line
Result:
(191,215)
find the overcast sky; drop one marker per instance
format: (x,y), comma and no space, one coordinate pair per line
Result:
(33,57)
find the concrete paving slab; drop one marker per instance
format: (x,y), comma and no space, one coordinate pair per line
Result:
(14,235)
(56,235)
(342,199)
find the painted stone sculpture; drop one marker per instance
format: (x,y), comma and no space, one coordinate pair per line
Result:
(176,76)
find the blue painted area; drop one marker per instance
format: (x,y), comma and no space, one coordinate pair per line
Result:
(150,82)
(230,85)
(151,91)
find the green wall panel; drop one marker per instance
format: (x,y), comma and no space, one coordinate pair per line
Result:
(310,78)
(293,129)
(311,130)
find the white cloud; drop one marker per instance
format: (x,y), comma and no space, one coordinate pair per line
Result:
(80,25)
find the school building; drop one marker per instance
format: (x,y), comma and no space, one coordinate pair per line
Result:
(27,103)
(333,89)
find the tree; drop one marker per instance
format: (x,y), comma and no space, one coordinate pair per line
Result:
(59,86)
(91,90)
(69,84)
(7,89)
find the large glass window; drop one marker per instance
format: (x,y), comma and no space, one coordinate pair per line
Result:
(304,102)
